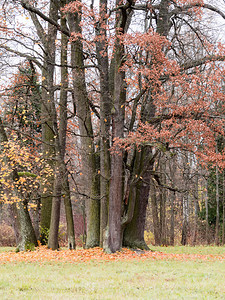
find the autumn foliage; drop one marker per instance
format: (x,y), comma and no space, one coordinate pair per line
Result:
(42,255)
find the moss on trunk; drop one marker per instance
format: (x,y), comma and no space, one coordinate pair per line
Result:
(28,238)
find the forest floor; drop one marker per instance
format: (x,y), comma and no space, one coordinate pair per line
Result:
(167,273)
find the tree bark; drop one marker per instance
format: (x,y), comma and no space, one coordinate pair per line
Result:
(217,240)
(48,42)
(133,236)
(28,238)
(195,212)
(172,223)
(55,214)
(69,213)
(155,215)
(89,161)
(162,203)
(223,224)
(105,116)
(172,168)
(63,115)
(118,112)
(185,225)
(15,221)
(207,214)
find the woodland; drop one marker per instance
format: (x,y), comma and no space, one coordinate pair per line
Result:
(112,121)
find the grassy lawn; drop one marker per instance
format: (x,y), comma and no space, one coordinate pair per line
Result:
(147,279)
(213,250)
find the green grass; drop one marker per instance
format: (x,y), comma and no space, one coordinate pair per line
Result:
(117,280)
(7,249)
(214,250)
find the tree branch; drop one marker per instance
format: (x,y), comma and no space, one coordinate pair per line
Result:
(27,56)
(180,9)
(32,9)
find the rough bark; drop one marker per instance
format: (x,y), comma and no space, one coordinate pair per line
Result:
(28,238)
(48,42)
(163,22)
(133,236)
(117,176)
(105,116)
(63,115)
(69,214)
(55,214)
(85,126)
(155,215)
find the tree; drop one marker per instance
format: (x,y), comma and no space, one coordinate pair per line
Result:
(53,136)
(139,92)
(136,55)
(27,237)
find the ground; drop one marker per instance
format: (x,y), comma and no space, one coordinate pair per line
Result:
(166,273)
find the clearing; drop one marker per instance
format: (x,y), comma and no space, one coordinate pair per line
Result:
(167,273)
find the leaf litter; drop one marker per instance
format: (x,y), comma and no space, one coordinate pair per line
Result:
(43,254)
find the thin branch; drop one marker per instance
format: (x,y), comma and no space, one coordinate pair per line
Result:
(32,9)
(27,56)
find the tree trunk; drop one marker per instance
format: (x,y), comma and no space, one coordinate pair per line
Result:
(223,224)
(217,240)
(28,238)
(162,203)
(185,225)
(15,221)
(207,214)
(93,215)
(89,161)
(55,214)
(133,235)
(69,215)
(63,115)
(48,43)
(117,178)
(172,199)
(36,216)
(105,117)
(115,203)
(117,171)
(195,212)
(155,215)
(134,232)
(172,168)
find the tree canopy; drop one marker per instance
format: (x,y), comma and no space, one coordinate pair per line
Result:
(112,96)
